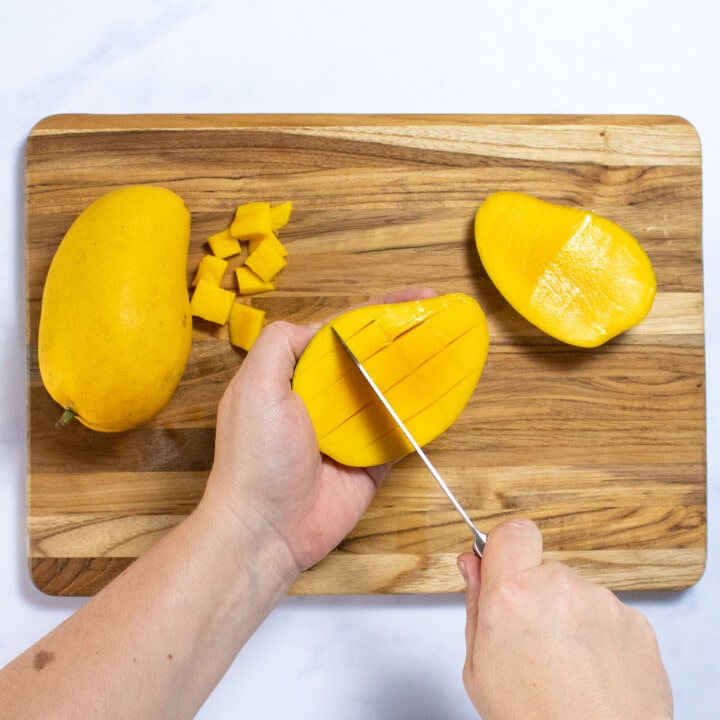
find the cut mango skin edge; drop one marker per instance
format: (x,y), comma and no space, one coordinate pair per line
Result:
(577,276)
(426,356)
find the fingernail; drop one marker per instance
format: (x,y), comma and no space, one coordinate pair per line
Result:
(462,569)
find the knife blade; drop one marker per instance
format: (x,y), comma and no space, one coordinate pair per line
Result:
(479,537)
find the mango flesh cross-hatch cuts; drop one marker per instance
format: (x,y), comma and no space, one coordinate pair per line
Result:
(425,355)
(577,276)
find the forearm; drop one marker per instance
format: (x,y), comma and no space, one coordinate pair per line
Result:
(156,641)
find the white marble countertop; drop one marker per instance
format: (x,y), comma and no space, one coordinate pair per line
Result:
(359,657)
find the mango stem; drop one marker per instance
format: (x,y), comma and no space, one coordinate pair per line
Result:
(65,419)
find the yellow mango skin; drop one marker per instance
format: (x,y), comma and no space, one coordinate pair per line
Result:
(425,355)
(115,325)
(575,275)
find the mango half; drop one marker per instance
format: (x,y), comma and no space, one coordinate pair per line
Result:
(575,275)
(425,355)
(115,324)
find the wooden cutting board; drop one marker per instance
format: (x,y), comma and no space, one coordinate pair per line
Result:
(604,448)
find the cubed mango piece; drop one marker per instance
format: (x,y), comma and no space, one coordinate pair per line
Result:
(265,261)
(246,322)
(212,269)
(251,221)
(280,215)
(249,283)
(224,245)
(273,241)
(211,302)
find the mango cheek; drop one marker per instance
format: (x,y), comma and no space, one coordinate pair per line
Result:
(426,356)
(575,275)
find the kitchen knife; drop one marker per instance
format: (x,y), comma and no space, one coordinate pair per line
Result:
(479,537)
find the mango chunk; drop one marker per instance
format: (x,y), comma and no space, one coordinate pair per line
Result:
(224,245)
(265,262)
(428,375)
(249,283)
(280,215)
(211,302)
(273,241)
(212,269)
(246,323)
(576,276)
(254,224)
(251,221)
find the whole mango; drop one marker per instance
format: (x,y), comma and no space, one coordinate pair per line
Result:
(115,324)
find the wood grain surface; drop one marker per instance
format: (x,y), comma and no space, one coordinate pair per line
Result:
(604,448)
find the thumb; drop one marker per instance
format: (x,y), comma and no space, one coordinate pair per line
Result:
(271,364)
(512,546)
(278,348)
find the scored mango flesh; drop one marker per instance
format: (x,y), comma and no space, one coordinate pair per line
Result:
(425,355)
(575,275)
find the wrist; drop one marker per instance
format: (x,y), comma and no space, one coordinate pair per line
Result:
(246,538)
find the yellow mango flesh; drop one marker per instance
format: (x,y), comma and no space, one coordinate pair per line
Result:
(575,275)
(115,324)
(211,269)
(280,215)
(251,284)
(271,241)
(251,221)
(425,355)
(265,261)
(211,302)
(224,245)
(245,325)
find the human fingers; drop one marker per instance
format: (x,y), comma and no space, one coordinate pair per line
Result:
(406,294)
(513,546)
(470,567)
(259,396)
(277,349)
(394,296)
